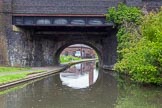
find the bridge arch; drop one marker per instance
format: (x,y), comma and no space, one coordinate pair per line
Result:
(93,45)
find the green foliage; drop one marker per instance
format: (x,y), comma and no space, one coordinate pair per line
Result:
(142,62)
(12,69)
(139,44)
(12,77)
(9,74)
(152,26)
(128,36)
(123,14)
(127,19)
(64,59)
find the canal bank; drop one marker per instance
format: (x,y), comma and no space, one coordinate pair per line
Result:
(44,71)
(82,86)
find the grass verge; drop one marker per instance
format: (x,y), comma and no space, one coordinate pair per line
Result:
(9,74)
(12,69)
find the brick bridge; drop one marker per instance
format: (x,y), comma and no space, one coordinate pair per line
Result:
(35,32)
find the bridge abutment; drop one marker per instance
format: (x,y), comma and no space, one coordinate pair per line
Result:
(109,50)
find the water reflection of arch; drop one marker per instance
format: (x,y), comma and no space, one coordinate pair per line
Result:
(105,89)
(80,75)
(82,67)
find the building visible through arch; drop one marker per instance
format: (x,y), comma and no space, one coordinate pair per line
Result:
(79,50)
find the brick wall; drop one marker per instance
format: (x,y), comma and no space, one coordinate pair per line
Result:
(152,4)
(134,2)
(75,6)
(7,6)
(64,6)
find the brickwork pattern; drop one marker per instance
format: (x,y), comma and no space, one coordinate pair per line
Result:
(63,6)
(75,6)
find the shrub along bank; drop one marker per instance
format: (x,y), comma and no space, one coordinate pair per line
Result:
(64,59)
(139,43)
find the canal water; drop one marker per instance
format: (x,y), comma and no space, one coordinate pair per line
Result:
(83,86)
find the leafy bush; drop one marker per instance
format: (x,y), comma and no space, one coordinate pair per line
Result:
(127,19)
(143,62)
(123,14)
(139,43)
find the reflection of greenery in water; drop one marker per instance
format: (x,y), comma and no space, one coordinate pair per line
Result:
(97,64)
(13,89)
(138,96)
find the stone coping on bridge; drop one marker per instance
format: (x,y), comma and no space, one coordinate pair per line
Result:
(47,72)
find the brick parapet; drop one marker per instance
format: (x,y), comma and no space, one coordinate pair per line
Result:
(75,6)
(7,6)
(63,6)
